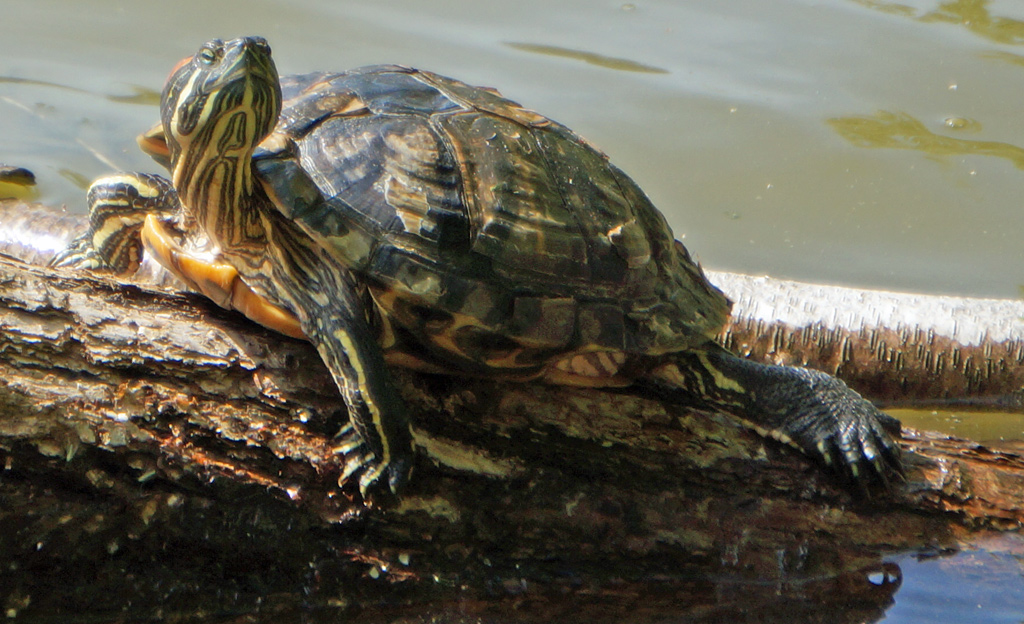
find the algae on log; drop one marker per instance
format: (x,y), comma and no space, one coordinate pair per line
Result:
(161,453)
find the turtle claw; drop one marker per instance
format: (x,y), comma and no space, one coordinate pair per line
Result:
(353,466)
(825,419)
(369,480)
(361,465)
(826,454)
(851,438)
(357,464)
(355,458)
(348,447)
(79,254)
(348,430)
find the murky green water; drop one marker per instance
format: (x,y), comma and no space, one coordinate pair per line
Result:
(856,142)
(984,427)
(847,141)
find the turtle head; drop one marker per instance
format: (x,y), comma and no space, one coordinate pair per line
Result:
(220,103)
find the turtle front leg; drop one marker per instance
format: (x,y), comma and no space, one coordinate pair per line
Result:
(377,443)
(118,206)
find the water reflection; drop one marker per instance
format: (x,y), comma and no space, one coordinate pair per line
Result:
(39,83)
(888,7)
(902,131)
(609,62)
(139,95)
(974,15)
(1009,57)
(75,178)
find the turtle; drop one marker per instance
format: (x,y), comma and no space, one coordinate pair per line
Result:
(396,217)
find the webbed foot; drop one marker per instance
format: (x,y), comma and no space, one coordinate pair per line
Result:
(80,254)
(804,408)
(825,418)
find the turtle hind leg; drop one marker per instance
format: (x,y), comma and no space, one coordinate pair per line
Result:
(118,206)
(805,408)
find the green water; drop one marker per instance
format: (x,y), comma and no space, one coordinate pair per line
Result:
(851,142)
(985,427)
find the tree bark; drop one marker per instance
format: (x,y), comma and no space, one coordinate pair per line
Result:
(162,454)
(899,349)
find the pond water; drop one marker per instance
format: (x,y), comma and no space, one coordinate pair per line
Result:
(858,142)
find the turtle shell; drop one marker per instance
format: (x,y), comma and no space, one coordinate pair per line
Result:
(490,237)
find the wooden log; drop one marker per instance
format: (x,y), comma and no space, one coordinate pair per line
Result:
(900,349)
(160,452)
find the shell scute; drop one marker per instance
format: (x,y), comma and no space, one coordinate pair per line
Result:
(515,207)
(543,322)
(486,100)
(605,217)
(307,100)
(392,90)
(602,324)
(392,176)
(408,272)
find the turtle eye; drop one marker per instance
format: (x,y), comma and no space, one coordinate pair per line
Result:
(209,55)
(262,44)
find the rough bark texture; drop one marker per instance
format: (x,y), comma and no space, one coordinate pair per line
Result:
(900,349)
(164,456)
